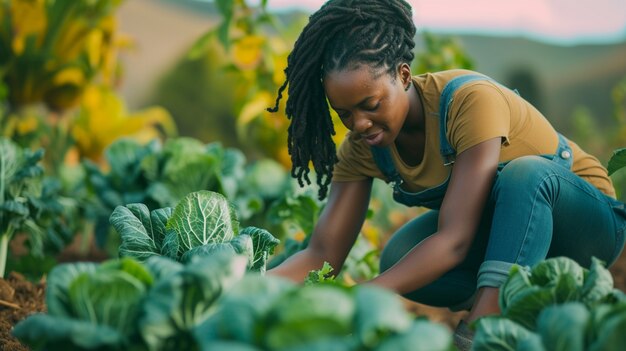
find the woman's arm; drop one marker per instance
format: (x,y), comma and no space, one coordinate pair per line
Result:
(470,184)
(334,233)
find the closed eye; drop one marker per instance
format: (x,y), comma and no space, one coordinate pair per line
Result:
(372,108)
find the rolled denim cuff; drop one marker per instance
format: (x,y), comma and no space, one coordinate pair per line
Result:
(493,274)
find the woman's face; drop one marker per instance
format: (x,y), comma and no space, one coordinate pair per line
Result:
(370,102)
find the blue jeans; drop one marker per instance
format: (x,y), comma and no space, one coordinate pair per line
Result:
(537,209)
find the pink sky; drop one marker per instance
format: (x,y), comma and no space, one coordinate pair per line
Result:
(552,20)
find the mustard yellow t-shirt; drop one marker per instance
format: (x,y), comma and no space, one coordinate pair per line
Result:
(480,110)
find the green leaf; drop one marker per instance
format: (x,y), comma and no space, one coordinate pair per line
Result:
(171,246)
(301,210)
(563,327)
(130,266)
(223,32)
(610,329)
(531,343)
(379,314)
(58,284)
(159,220)
(421,336)
(187,167)
(207,251)
(107,297)
(617,161)
(343,343)
(202,218)
(547,272)
(228,345)
(494,334)
(124,157)
(226,8)
(15,207)
(598,283)
(183,300)
(161,267)
(242,310)
(518,281)
(191,173)
(526,307)
(10,162)
(311,313)
(244,245)
(61,333)
(138,241)
(161,194)
(266,177)
(231,172)
(201,46)
(263,244)
(322,275)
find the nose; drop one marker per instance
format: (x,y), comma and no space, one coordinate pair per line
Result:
(362,124)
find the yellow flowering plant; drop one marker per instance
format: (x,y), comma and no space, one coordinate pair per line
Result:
(51,49)
(256,45)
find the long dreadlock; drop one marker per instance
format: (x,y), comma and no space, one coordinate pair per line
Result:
(342,33)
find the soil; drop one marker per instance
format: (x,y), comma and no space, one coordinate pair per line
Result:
(20,298)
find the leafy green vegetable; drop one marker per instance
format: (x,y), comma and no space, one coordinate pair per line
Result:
(607,325)
(555,280)
(201,224)
(267,178)
(311,313)
(556,305)
(275,314)
(58,282)
(19,180)
(563,327)
(184,299)
(322,275)
(142,232)
(46,332)
(263,244)
(89,307)
(242,310)
(203,218)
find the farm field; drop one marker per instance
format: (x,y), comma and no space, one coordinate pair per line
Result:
(154,227)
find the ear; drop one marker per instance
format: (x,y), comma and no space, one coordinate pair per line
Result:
(404,72)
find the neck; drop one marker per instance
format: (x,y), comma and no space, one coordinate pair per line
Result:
(414,121)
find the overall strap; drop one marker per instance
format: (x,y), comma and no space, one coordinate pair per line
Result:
(384,161)
(447,152)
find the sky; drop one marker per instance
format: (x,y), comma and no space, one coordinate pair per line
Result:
(558,21)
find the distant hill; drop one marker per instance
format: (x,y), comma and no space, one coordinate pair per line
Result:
(556,78)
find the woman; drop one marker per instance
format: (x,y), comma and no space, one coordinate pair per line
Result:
(504,187)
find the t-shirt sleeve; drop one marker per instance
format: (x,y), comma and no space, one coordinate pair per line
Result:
(355,162)
(479,112)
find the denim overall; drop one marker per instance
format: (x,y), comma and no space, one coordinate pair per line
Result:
(544,210)
(433,197)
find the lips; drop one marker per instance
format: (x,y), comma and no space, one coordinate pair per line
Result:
(373,138)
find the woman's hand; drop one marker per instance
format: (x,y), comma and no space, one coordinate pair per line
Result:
(334,233)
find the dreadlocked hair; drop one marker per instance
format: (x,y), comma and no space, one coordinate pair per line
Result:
(341,34)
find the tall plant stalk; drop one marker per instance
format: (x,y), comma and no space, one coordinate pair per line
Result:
(4,245)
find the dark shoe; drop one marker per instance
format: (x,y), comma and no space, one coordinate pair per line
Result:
(463,336)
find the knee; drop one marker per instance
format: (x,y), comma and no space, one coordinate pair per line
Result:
(522,172)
